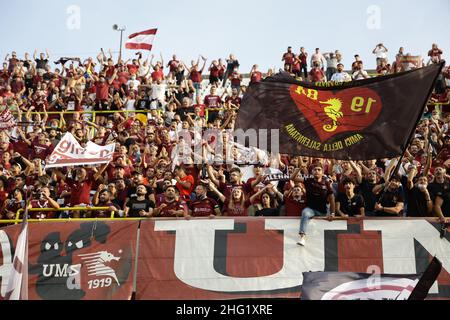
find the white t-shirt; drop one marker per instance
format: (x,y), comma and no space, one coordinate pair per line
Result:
(158,91)
(341,77)
(357,75)
(380,52)
(130,105)
(136,83)
(143,70)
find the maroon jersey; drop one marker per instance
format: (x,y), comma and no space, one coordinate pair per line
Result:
(256,77)
(294,207)
(237,210)
(41,203)
(174,205)
(212,101)
(234,100)
(195,76)
(214,71)
(204,207)
(226,188)
(80,191)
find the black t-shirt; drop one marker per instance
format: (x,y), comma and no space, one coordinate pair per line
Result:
(232,64)
(317,193)
(365,189)
(143,104)
(390,199)
(445,208)
(351,206)
(179,76)
(437,188)
(182,112)
(417,203)
(138,205)
(132,192)
(267,212)
(41,63)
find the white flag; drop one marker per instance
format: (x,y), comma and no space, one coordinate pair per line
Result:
(68,152)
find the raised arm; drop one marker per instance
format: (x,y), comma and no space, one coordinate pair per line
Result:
(211,175)
(214,189)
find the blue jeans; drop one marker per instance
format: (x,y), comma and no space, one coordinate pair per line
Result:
(308,214)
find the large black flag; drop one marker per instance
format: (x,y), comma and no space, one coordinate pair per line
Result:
(367,119)
(366,286)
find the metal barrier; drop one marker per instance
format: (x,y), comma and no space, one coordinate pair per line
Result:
(17,219)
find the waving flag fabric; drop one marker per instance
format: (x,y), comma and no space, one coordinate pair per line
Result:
(141,40)
(359,120)
(7,120)
(18,278)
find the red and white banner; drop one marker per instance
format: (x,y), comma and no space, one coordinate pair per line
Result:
(141,40)
(221,258)
(7,120)
(68,152)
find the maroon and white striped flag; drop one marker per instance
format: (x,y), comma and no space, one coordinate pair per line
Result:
(7,120)
(18,279)
(141,40)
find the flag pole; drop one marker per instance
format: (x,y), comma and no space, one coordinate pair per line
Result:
(424,104)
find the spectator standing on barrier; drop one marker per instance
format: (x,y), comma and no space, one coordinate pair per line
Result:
(288,58)
(317,57)
(318,194)
(380,51)
(332,63)
(214,73)
(232,64)
(41,63)
(435,54)
(303,56)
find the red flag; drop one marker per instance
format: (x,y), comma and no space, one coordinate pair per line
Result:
(141,40)
(18,279)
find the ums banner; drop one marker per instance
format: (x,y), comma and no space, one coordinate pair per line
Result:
(367,119)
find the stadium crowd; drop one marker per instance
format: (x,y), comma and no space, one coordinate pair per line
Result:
(141,105)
